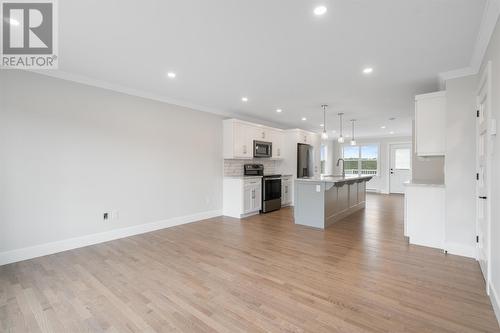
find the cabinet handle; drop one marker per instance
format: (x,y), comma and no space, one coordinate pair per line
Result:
(263,135)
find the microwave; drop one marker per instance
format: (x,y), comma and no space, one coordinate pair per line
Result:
(262,149)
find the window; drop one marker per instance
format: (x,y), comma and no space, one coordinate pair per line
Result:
(323,152)
(361,160)
(402,159)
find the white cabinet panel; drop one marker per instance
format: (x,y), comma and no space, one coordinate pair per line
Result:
(276,138)
(241,197)
(430,124)
(260,133)
(243,143)
(286,191)
(252,197)
(425,215)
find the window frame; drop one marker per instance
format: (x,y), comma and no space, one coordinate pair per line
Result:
(360,145)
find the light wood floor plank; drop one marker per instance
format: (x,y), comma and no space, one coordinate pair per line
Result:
(259,274)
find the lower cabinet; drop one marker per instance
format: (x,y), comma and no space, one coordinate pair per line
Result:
(242,196)
(286,190)
(252,196)
(425,214)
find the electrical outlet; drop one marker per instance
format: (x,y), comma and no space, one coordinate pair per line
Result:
(114,215)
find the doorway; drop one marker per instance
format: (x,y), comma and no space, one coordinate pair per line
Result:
(483,167)
(400,166)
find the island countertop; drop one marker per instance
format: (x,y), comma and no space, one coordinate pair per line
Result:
(335,179)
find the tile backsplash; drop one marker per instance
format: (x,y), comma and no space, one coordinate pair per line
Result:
(235,167)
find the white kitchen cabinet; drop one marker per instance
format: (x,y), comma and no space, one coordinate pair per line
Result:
(425,214)
(286,190)
(252,196)
(276,138)
(305,137)
(239,136)
(242,196)
(237,139)
(261,133)
(430,124)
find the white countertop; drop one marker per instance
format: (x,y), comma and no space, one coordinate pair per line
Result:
(243,177)
(250,177)
(423,183)
(333,179)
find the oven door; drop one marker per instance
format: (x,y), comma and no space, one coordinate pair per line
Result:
(272,189)
(262,149)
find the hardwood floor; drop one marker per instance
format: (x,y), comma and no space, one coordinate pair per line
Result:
(259,274)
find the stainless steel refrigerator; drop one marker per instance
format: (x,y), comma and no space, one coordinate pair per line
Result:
(305,158)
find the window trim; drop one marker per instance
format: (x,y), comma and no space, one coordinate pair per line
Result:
(359,150)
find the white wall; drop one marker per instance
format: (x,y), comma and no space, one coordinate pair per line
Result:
(69,152)
(427,168)
(378,183)
(493,55)
(460,166)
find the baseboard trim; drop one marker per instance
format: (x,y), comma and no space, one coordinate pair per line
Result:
(495,302)
(12,256)
(460,250)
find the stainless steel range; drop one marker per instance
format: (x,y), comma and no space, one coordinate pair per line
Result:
(271,193)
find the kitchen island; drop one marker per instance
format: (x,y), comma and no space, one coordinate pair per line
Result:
(321,201)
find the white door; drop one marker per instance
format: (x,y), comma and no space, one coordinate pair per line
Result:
(400,167)
(483,160)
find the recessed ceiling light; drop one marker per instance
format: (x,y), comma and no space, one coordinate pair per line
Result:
(279,110)
(391,132)
(383,127)
(368,70)
(304,118)
(14,22)
(171,75)
(322,125)
(244,99)
(320,10)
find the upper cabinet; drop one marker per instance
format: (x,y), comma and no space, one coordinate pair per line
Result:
(240,135)
(276,137)
(305,137)
(430,124)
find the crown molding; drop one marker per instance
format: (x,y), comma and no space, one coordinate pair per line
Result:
(128,91)
(488,22)
(81,79)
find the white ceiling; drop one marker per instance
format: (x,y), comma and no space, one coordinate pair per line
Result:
(276,52)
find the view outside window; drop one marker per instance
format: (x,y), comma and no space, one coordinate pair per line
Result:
(323,152)
(361,160)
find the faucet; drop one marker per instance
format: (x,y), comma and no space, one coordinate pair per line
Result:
(343,166)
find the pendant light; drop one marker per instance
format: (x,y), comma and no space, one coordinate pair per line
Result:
(324,135)
(353,141)
(341,137)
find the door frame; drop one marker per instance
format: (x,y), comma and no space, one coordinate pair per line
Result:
(388,161)
(485,81)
